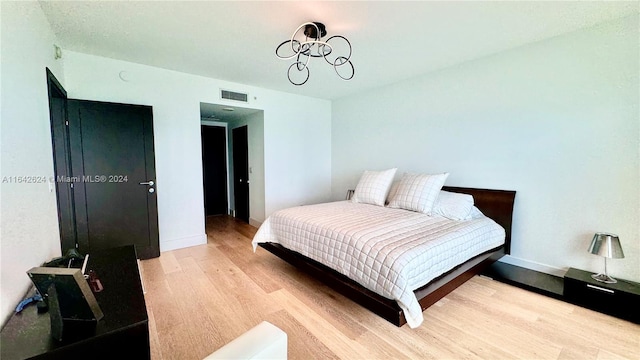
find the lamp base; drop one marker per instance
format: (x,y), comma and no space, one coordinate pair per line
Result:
(604,278)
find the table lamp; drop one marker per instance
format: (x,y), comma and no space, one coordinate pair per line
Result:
(607,246)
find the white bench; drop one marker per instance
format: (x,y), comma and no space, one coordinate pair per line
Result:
(263,341)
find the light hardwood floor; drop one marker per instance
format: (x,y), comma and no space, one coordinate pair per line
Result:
(202,297)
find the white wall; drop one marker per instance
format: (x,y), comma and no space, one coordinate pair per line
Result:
(255,150)
(29,224)
(297,142)
(556,120)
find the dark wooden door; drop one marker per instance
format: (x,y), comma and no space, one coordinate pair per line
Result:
(114,176)
(214,169)
(241,173)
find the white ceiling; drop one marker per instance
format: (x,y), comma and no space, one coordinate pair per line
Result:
(392,41)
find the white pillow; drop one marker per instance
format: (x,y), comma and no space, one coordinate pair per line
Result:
(454,206)
(418,192)
(392,191)
(475,213)
(373,187)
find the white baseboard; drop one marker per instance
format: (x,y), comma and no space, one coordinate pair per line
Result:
(254,222)
(532,265)
(184,242)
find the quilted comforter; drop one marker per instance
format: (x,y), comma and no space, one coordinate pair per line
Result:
(391,252)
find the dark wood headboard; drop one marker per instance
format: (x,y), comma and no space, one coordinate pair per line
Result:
(495,204)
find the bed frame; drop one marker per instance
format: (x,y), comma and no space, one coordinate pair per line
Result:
(495,204)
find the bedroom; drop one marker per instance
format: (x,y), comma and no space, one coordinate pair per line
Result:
(548,142)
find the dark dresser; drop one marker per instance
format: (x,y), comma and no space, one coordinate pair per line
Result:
(123,333)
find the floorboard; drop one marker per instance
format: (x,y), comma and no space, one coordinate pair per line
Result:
(202,297)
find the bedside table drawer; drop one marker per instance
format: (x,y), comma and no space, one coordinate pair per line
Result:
(607,298)
(589,294)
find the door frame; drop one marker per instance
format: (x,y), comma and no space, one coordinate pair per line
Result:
(62,163)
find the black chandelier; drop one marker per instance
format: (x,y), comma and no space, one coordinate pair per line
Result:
(312,46)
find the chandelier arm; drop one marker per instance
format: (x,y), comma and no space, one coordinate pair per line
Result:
(324,53)
(294,35)
(348,43)
(302,26)
(305,48)
(295,52)
(306,53)
(344,61)
(319,43)
(298,63)
(298,66)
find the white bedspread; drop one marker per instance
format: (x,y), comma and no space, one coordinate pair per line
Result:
(389,251)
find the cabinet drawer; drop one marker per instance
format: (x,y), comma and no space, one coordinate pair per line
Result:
(603,299)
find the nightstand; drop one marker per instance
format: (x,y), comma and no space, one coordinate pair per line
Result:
(620,299)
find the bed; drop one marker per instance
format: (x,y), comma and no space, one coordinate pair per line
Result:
(370,270)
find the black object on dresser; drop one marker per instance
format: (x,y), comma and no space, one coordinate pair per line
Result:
(621,299)
(122,333)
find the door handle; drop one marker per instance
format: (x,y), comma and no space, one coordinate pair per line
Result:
(150,183)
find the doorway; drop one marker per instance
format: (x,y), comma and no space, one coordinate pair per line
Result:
(214,169)
(104,168)
(245,199)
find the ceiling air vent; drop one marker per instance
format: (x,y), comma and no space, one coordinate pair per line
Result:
(230,95)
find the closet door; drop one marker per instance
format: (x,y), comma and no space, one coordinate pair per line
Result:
(241,172)
(114,179)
